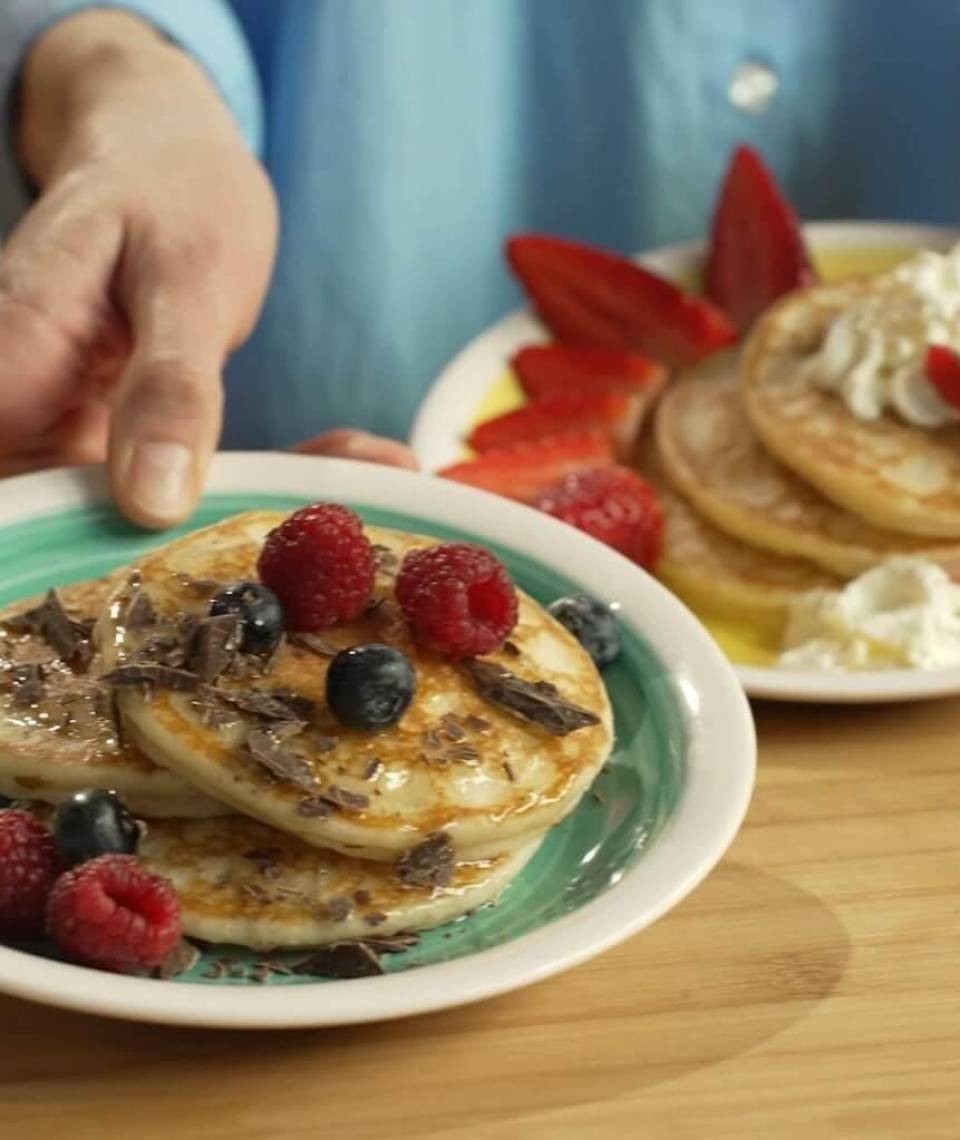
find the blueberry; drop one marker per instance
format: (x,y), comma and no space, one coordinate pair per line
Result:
(260,610)
(91,823)
(592,623)
(370,686)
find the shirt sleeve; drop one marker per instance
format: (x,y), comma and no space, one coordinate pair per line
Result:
(207,29)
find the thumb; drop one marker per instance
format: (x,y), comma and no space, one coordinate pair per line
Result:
(168,411)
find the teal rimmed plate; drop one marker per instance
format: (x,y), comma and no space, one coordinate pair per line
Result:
(656,822)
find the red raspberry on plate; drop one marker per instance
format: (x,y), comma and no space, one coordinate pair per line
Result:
(614,505)
(113,914)
(29,864)
(320,565)
(458,599)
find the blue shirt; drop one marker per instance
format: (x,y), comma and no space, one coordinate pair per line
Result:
(407,138)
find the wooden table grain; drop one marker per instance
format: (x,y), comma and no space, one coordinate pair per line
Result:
(810,987)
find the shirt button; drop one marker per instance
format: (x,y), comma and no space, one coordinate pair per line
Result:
(752,87)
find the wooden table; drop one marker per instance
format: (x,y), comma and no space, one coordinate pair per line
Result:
(810,988)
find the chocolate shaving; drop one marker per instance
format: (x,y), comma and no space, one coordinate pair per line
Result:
(314,643)
(373,767)
(183,957)
(140,612)
(154,676)
(270,706)
(537,702)
(315,807)
(392,943)
(337,909)
(429,864)
(452,727)
(464,753)
(477,723)
(69,639)
(214,644)
(344,798)
(28,687)
(342,960)
(212,713)
(511,775)
(280,762)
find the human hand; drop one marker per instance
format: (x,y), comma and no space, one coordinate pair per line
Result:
(347,443)
(143,263)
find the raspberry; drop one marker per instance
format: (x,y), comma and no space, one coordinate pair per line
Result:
(613,505)
(458,599)
(320,565)
(113,914)
(29,864)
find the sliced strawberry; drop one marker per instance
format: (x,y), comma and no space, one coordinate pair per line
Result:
(549,369)
(524,470)
(613,505)
(757,252)
(615,413)
(587,296)
(942,367)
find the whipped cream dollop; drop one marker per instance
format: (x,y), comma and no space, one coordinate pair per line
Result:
(873,353)
(903,614)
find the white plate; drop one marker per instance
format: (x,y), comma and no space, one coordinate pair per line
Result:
(450,408)
(718,765)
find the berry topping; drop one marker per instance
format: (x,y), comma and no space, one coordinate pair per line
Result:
(320,565)
(592,623)
(259,610)
(370,686)
(613,505)
(458,599)
(29,866)
(93,822)
(113,914)
(942,366)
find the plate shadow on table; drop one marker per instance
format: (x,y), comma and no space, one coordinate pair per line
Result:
(713,979)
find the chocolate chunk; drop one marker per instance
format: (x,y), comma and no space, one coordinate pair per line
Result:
(28,687)
(337,909)
(277,705)
(429,864)
(280,762)
(183,957)
(140,611)
(314,643)
(344,798)
(69,639)
(342,960)
(154,676)
(214,645)
(537,702)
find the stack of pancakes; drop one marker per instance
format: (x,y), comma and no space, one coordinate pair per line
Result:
(278,826)
(772,487)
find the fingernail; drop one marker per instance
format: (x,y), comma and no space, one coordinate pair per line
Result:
(160,479)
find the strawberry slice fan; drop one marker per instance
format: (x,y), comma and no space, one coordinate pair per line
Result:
(942,368)
(757,252)
(589,297)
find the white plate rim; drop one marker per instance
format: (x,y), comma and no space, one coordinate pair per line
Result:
(447,412)
(721,765)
